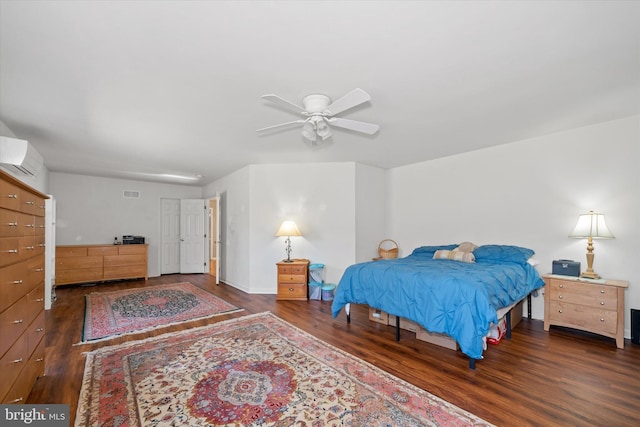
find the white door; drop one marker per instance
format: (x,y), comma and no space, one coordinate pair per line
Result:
(170,238)
(194,250)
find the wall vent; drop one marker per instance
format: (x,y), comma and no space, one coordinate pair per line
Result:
(130,194)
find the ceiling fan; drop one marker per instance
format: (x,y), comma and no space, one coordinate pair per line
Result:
(320,112)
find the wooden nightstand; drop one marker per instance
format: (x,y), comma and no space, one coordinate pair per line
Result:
(292,280)
(593,305)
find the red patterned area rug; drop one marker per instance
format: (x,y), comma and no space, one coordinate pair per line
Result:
(253,370)
(111,314)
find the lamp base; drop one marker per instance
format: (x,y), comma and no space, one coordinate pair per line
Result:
(287,260)
(590,275)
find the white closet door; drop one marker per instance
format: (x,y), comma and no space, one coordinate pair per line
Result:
(194,251)
(170,238)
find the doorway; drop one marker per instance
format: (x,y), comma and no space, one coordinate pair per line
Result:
(185,236)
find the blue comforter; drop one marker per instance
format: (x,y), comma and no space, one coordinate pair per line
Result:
(456,298)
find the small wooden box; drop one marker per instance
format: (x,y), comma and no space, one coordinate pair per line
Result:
(516,315)
(379,316)
(438,339)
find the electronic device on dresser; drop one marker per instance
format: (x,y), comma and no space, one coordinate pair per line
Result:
(566,267)
(132,240)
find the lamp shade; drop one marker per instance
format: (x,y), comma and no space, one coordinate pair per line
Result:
(288,228)
(591,225)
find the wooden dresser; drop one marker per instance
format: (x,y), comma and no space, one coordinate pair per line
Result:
(98,263)
(292,279)
(590,305)
(22,234)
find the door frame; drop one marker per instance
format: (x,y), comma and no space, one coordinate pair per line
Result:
(214,236)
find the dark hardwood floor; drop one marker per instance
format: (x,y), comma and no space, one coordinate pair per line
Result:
(557,378)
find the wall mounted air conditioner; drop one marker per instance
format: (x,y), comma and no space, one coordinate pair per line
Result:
(17,155)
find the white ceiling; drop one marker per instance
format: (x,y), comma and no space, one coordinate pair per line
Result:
(125,89)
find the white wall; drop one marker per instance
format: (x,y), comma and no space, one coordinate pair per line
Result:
(92,210)
(530,193)
(370,200)
(235,230)
(320,197)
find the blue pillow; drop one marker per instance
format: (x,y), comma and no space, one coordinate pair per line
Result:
(428,251)
(503,253)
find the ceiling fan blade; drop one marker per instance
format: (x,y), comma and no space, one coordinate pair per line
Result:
(350,100)
(364,127)
(297,122)
(283,103)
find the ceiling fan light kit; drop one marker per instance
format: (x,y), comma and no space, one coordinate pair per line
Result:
(320,113)
(314,127)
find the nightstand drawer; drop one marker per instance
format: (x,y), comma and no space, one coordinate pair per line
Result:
(292,269)
(591,295)
(289,278)
(583,317)
(292,291)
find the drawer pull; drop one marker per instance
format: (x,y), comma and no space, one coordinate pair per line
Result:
(559,296)
(12,224)
(39,270)
(291,289)
(29,202)
(12,196)
(39,329)
(40,300)
(17,400)
(601,302)
(559,311)
(17,360)
(30,247)
(30,225)
(12,251)
(602,291)
(561,286)
(602,319)
(40,359)
(41,245)
(17,322)
(17,282)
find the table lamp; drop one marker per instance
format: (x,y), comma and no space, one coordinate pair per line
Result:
(288,229)
(591,226)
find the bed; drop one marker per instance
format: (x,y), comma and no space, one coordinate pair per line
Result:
(443,290)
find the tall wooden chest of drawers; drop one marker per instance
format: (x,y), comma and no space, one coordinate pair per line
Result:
(590,305)
(292,279)
(22,321)
(97,263)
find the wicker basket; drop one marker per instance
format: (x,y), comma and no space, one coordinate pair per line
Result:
(388,253)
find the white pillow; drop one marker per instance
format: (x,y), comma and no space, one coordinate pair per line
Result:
(454,255)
